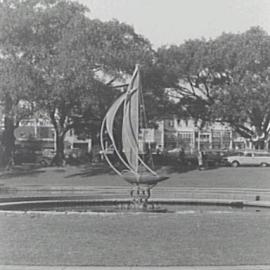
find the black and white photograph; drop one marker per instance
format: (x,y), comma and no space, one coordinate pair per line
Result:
(134,134)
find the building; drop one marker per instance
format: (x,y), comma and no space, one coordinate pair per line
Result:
(38,132)
(173,132)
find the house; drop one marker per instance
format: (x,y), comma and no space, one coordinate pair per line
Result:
(38,132)
(173,132)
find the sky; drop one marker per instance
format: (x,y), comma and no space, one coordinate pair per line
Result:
(166,22)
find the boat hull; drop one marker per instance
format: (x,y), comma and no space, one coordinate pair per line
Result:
(144,179)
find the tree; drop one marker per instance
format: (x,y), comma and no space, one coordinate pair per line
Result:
(15,84)
(226,79)
(73,59)
(15,88)
(244,102)
(190,95)
(155,81)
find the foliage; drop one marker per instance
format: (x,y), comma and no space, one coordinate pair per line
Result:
(15,88)
(155,80)
(73,59)
(225,79)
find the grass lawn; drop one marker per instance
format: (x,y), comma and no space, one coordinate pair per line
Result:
(101,175)
(136,239)
(194,238)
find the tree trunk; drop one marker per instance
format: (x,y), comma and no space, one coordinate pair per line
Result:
(59,158)
(8,143)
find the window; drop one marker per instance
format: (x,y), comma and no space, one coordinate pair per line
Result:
(262,154)
(238,154)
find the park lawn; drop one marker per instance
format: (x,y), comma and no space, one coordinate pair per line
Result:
(101,175)
(200,238)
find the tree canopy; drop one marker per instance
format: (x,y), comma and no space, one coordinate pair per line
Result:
(55,58)
(73,59)
(15,88)
(225,79)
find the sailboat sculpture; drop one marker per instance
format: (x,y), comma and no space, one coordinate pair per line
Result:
(136,165)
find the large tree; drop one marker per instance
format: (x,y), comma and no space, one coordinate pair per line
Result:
(74,60)
(225,79)
(15,89)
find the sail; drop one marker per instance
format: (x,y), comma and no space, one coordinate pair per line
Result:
(111,114)
(136,170)
(130,128)
(109,119)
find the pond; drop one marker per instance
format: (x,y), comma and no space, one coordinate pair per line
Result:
(112,206)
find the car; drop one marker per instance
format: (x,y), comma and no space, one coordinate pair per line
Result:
(248,158)
(45,159)
(174,155)
(173,152)
(30,156)
(213,158)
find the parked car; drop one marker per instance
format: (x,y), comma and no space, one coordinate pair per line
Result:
(214,157)
(28,155)
(173,152)
(173,156)
(191,159)
(77,156)
(248,158)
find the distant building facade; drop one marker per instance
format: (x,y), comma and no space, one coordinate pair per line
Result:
(173,132)
(39,132)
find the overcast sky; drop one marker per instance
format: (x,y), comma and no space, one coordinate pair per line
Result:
(174,21)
